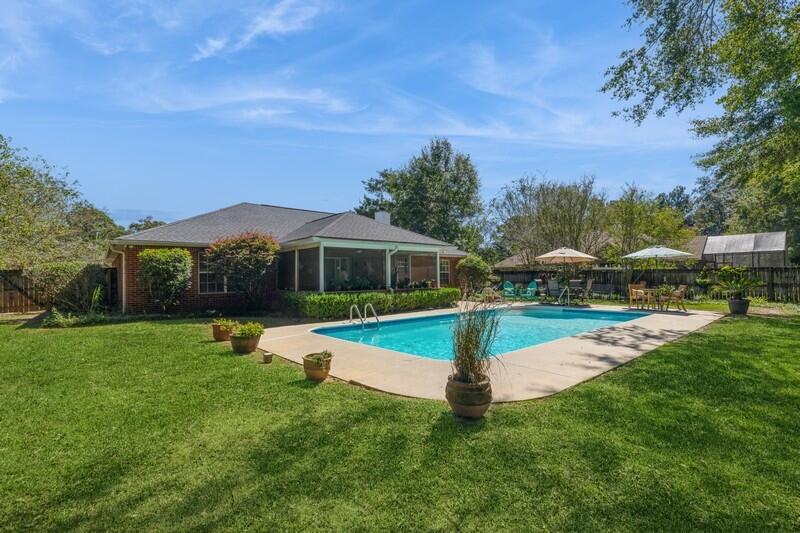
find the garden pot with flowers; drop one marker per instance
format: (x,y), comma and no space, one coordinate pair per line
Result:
(245,337)
(221,329)
(469,390)
(317,365)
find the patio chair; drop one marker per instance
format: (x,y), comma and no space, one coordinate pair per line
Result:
(676,297)
(508,290)
(636,294)
(553,289)
(581,292)
(532,291)
(542,290)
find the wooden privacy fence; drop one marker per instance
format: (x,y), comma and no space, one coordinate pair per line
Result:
(780,284)
(17,294)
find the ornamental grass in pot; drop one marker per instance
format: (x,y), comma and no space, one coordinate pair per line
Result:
(317,365)
(469,390)
(221,328)
(245,337)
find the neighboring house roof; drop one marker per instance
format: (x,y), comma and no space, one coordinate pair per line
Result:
(513,262)
(284,223)
(746,243)
(696,246)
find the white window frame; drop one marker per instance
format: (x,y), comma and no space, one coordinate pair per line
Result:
(201,272)
(405,261)
(444,274)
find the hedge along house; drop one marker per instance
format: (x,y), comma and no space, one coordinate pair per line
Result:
(319,252)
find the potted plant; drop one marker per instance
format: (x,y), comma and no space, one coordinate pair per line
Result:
(221,328)
(735,282)
(245,337)
(317,365)
(468,390)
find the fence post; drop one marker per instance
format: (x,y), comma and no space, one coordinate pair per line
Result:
(771,284)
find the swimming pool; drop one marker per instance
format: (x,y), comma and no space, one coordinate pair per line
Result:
(431,336)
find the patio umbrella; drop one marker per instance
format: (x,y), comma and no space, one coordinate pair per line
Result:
(564,257)
(659,252)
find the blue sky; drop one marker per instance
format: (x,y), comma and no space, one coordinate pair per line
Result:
(176,108)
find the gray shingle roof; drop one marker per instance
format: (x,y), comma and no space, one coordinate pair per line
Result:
(746,243)
(284,223)
(208,227)
(357,227)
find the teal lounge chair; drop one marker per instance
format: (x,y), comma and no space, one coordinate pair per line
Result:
(508,289)
(532,291)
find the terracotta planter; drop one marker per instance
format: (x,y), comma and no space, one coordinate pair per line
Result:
(315,371)
(219,333)
(468,400)
(266,357)
(244,344)
(738,306)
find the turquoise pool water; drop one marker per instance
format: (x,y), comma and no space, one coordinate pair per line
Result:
(431,336)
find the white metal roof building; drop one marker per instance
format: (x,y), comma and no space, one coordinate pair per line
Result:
(746,249)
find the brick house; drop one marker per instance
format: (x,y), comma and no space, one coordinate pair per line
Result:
(319,252)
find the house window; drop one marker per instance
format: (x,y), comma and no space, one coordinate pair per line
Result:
(444,271)
(209,282)
(402,271)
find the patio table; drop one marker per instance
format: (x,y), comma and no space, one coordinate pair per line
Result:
(651,299)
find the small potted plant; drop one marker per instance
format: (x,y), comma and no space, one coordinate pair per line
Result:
(468,390)
(245,337)
(221,328)
(735,282)
(317,365)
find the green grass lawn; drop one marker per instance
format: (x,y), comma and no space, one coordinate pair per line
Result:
(150,426)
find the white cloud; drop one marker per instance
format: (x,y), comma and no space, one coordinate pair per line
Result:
(282,18)
(211,47)
(157,93)
(286,16)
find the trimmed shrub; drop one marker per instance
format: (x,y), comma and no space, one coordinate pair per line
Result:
(337,305)
(68,285)
(473,272)
(244,260)
(166,273)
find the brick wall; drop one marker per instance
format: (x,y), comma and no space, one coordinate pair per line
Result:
(453,278)
(138,300)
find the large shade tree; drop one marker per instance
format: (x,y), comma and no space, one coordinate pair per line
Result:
(436,193)
(748,52)
(536,215)
(637,220)
(42,216)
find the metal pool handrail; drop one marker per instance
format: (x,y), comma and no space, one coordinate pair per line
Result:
(374,313)
(360,318)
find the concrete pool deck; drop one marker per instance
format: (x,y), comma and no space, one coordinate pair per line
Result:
(532,372)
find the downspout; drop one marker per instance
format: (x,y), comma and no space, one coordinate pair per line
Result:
(124,279)
(389,254)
